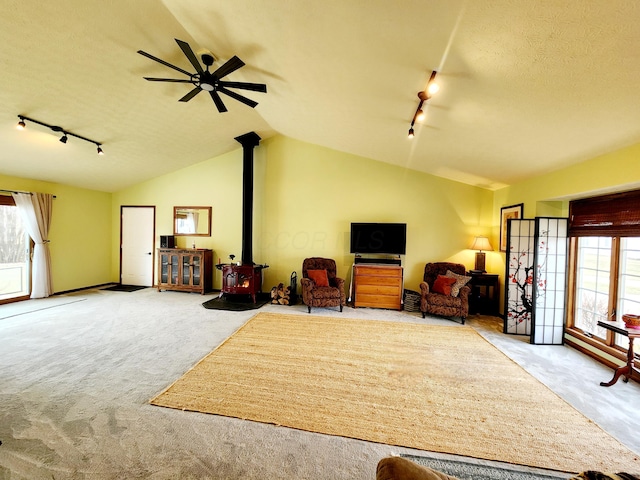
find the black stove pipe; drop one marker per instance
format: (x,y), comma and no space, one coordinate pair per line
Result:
(248,142)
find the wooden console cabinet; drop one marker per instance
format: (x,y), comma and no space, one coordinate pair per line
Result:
(378,286)
(187,270)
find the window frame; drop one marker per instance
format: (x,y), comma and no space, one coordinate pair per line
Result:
(606,346)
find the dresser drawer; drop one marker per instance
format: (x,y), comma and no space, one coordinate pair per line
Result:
(378,271)
(377,290)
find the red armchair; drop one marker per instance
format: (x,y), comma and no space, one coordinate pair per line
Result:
(455,304)
(320,285)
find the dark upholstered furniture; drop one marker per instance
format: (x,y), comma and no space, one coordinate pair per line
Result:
(314,295)
(398,468)
(437,303)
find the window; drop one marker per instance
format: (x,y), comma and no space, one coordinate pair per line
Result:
(605,277)
(592,284)
(628,282)
(15,253)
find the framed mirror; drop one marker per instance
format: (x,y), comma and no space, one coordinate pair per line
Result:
(192,221)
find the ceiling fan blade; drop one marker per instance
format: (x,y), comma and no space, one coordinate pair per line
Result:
(218,101)
(190,95)
(256,87)
(166,64)
(151,79)
(240,98)
(231,65)
(186,49)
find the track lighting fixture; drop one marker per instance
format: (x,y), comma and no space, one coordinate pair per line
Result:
(432,88)
(65,134)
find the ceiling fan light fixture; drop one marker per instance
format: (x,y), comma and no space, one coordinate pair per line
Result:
(207,87)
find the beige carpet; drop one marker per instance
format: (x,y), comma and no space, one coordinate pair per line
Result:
(435,388)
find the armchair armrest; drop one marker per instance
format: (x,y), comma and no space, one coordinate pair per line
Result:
(307,283)
(338,283)
(464,293)
(424,288)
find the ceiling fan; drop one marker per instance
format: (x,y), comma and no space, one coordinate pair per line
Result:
(209,81)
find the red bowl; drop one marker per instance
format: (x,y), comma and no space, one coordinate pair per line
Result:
(631,321)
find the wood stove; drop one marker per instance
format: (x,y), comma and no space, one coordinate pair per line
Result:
(244,278)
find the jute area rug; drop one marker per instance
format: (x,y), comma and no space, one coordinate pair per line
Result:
(435,388)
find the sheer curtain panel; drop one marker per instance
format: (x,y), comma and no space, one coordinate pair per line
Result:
(35,210)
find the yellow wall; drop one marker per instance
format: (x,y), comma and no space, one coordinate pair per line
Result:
(216,183)
(615,171)
(80,233)
(312,194)
(305,198)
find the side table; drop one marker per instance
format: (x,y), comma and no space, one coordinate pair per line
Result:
(484,297)
(628,369)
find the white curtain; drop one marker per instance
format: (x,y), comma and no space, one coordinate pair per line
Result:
(35,210)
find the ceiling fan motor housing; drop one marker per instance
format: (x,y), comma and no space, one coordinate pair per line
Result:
(207,59)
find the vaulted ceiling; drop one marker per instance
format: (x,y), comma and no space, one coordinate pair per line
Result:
(527,86)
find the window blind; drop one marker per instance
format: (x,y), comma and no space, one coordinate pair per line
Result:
(616,215)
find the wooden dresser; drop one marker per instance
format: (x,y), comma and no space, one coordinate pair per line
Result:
(185,269)
(377,285)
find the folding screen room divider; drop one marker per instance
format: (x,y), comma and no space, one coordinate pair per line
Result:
(535,279)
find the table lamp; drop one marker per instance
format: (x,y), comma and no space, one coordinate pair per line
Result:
(480,244)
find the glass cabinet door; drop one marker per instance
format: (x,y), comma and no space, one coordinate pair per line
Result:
(186,269)
(164,268)
(197,260)
(174,269)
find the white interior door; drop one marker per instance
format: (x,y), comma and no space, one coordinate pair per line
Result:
(137,227)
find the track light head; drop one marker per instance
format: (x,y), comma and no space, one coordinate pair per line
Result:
(411,134)
(100,152)
(432,86)
(420,116)
(21,125)
(64,138)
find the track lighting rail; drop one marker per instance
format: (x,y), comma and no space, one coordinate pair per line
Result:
(426,94)
(65,133)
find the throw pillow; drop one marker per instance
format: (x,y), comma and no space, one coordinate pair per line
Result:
(443,285)
(460,281)
(319,277)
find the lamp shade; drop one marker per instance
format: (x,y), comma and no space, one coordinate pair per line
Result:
(481,243)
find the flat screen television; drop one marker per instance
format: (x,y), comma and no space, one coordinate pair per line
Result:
(387,238)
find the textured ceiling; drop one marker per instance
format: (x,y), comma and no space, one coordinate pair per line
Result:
(526,86)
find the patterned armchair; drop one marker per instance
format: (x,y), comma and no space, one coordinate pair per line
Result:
(320,285)
(440,304)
